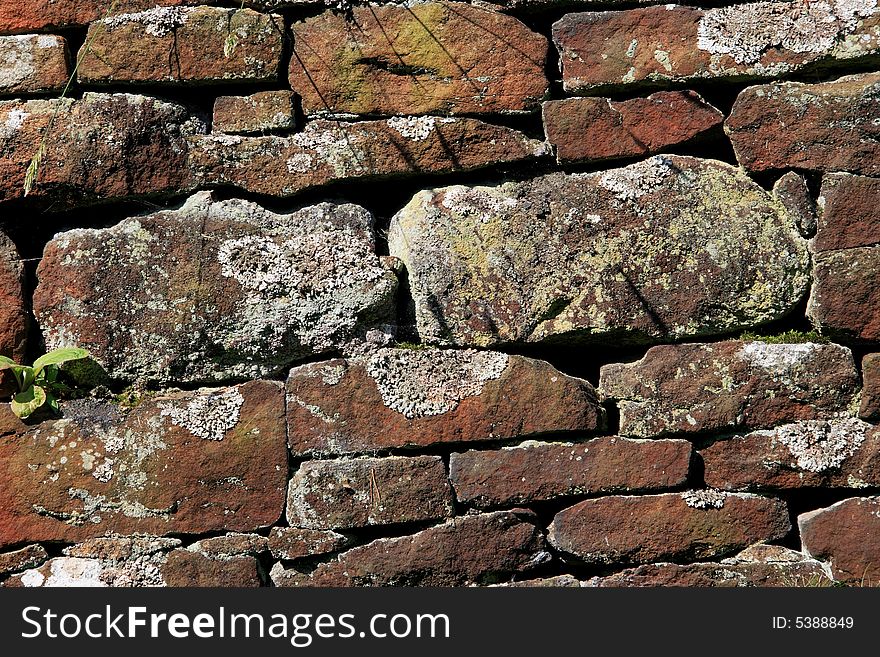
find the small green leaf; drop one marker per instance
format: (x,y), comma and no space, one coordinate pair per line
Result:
(7,363)
(28,401)
(52,403)
(59,356)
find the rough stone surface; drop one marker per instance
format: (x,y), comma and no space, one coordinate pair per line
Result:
(759,565)
(595,129)
(559,581)
(792,191)
(18,16)
(32,64)
(480,549)
(330,151)
(29,556)
(234,290)
(230,545)
(672,43)
(667,527)
(845,297)
(416,398)
(13,316)
(91,154)
(295,543)
(533,472)
(847,536)
(347,493)
(848,217)
(829,126)
(870,405)
(192,569)
(183,44)
(699,388)
(842,453)
(204,461)
(663,249)
(260,112)
(425,58)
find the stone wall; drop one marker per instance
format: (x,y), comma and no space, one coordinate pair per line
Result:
(433,293)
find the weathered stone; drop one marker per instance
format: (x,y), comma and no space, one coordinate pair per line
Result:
(480,549)
(102,146)
(18,16)
(792,191)
(759,565)
(673,43)
(32,64)
(415,398)
(230,545)
(560,581)
(295,543)
(329,151)
(183,44)
(829,126)
(848,217)
(29,556)
(13,315)
(192,569)
(845,298)
(847,259)
(205,461)
(534,472)
(847,536)
(843,453)
(121,548)
(426,58)
(689,526)
(870,406)
(846,289)
(667,248)
(261,112)
(699,388)
(346,493)
(593,129)
(235,291)
(140,561)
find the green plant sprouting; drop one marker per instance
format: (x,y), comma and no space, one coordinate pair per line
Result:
(37,383)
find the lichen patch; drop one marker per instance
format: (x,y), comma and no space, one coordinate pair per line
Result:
(704,498)
(820,445)
(745,32)
(208,415)
(419,383)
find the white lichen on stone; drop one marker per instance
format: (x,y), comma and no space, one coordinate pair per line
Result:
(300,163)
(419,383)
(634,181)
(777,357)
(209,415)
(820,445)
(157,22)
(745,32)
(478,202)
(708,498)
(416,128)
(16,61)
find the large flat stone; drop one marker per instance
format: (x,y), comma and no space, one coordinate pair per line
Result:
(667,248)
(234,291)
(206,461)
(420,397)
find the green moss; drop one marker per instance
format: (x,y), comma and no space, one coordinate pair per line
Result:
(786,337)
(132,397)
(414,346)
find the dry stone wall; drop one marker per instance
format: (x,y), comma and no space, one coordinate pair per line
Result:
(436,293)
